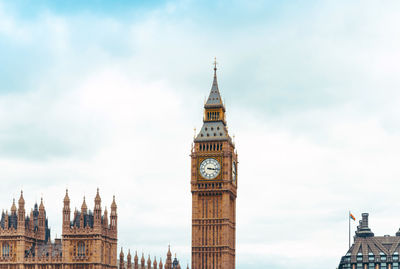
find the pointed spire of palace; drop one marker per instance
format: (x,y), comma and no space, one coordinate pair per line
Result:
(13,207)
(214,126)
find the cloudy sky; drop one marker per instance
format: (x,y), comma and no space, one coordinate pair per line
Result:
(107,94)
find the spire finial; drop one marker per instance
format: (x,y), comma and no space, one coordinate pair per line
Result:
(215,65)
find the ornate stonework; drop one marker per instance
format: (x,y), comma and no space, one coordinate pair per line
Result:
(88,241)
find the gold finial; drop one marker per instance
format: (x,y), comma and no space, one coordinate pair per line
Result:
(194,135)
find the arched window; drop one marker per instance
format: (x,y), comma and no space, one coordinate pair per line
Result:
(6,250)
(81,249)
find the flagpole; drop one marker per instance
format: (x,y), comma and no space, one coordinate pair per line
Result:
(349,230)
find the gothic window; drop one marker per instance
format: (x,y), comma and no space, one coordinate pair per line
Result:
(6,250)
(81,249)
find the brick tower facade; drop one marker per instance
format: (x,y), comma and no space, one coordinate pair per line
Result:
(214,188)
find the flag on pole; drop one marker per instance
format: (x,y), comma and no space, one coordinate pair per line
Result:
(351,216)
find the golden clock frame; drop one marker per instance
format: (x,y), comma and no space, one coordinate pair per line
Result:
(201,159)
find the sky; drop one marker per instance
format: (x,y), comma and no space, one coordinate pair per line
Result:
(106,94)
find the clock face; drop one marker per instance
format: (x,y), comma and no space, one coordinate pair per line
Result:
(234,171)
(210,168)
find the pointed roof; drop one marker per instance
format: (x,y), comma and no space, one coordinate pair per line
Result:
(97,199)
(84,206)
(149,261)
(41,207)
(13,207)
(169,252)
(155,262)
(214,99)
(21,200)
(66,197)
(113,204)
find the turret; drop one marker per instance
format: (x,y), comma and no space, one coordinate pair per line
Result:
(148,262)
(175,263)
(113,216)
(105,220)
(84,206)
(129,260)
(21,213)
(13,208)
(97,210)
(136,264)
(155,263)
(168,262)
(142,261)
(41,219)
(13,219)
(31,221)
(66,212)
(121,260)
(160,265)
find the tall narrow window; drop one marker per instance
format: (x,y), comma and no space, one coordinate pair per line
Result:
(81,249)
(6,250)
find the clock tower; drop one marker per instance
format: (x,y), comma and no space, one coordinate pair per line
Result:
(214,187)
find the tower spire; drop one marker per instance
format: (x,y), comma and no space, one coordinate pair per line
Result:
(215,66)
(214,99)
